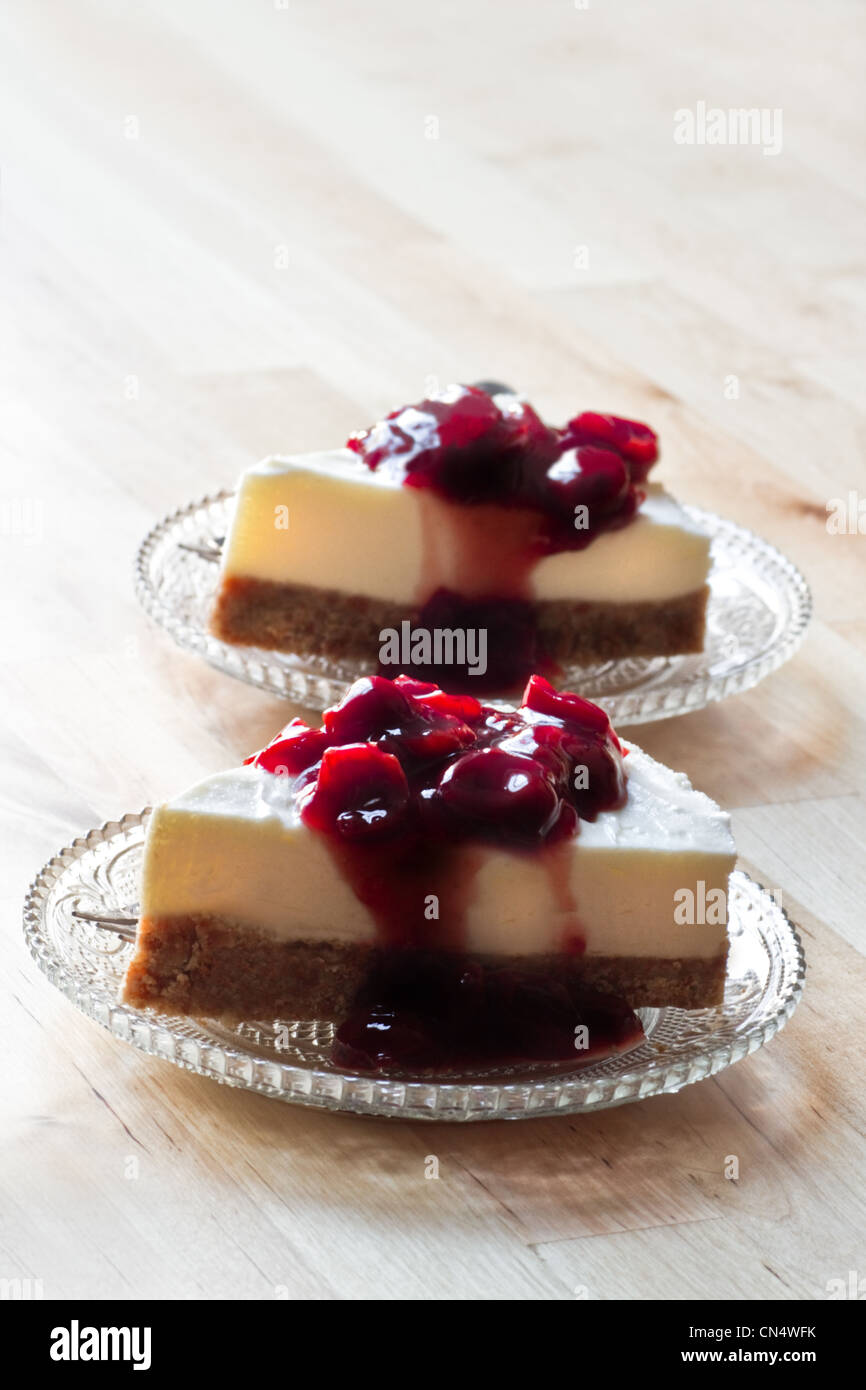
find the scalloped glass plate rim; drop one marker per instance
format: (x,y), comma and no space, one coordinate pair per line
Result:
(213,1052)
(317,682)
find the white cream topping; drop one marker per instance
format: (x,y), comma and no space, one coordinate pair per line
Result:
(234,846)
(328,521)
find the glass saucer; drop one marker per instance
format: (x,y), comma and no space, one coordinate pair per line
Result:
(289,1059)
(757,616)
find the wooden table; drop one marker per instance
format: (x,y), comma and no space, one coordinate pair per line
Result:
(229,230)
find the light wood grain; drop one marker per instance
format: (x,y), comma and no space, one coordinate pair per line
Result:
(225,232)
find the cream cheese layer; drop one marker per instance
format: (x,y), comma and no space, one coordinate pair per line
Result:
(626,885)
(327,521)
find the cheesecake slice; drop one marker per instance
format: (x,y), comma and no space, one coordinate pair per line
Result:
(441,878)
(465,541)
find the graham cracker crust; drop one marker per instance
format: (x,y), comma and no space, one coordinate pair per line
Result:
(207,967)
(586,632)
(346,627)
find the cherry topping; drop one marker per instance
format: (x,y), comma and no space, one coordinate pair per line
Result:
(384,712)
(462,443)
(567,486)
(474,448)
(423,434)
(410,686)
(603,788)
(398,780)
(402,753)
(635,442)
(370,707)
(402,774)
(435,1011)
(507,795)
(361,793)
(464,707)
(387,1036)
(295,749)
(581,739)
(595,779)
(540,696)
(590,477)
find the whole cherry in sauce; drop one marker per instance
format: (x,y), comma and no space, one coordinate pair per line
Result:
(360,794)
(636,443)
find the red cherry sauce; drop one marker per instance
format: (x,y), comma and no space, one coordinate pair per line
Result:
(406,782)
(435,1013)
(491,455)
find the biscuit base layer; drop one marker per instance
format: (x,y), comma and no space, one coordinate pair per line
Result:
(210,967)
(349,627)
